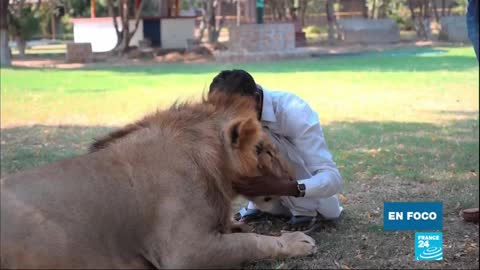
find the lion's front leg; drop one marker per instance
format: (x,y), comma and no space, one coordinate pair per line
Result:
(231,250)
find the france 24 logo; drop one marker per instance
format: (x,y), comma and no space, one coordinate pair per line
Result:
(428,246)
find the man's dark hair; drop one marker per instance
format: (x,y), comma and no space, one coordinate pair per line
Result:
(235,81)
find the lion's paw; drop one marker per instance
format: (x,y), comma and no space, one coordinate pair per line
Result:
(297,244)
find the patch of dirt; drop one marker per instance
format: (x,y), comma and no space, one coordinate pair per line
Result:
(357,238)
(135,57)
(197,55)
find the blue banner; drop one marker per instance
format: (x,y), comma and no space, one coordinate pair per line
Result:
(412,216)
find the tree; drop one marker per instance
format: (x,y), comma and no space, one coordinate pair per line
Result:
(277,8)
(5,59)
(209,21)
(22,22)
(302,10)
(420,17)
(332,21)
(124,35)
(374,9)
(383,9)
(365,9)
(435,11)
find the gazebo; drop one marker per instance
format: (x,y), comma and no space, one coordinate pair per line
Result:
(169,30)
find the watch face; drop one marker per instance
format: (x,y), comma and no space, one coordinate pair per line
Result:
(301,187)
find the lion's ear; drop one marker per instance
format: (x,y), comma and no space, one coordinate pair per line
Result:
(243,133)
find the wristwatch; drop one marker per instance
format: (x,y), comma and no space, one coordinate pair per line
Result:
(301,190)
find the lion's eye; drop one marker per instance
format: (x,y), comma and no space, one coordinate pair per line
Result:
(259,148)
(269,153)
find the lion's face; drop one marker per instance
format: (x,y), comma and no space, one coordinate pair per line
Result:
(252,153)
(240,138)
(270,161)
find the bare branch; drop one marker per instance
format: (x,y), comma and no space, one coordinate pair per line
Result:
(37,6)
(111,12)
(137,19)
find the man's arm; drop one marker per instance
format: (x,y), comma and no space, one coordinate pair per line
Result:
(300,124)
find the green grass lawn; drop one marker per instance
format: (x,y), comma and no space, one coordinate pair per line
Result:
(400,88)
(401,127)
(44,49)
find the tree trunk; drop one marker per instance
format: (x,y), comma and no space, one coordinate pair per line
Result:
(273,7)
(239,12)
(21,45)
(278,8)
(418,21)
(383,9)
(302,10)
(210,21)
(365,9)
(112,13)
(124,36)
(138,11)
(53,25)
(5,57)
(125,26)
(374,8)
(444,5)
(203,22)
(426,9)
(291,10)
(435,11)
(331,21)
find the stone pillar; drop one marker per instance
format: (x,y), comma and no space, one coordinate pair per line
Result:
(79,53)
(269,37)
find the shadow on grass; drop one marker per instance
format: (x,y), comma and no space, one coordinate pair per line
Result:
(397,60)
(370,148)
(413,151)
(365,151)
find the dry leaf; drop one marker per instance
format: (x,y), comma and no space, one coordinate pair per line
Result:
(342,198)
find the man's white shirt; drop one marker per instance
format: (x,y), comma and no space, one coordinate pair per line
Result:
(296,130)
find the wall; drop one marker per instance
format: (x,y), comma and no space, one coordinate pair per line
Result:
(270,37)
(100,32)
(453,28)
(176,31)
(369,31)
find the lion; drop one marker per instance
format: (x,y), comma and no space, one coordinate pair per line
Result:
(158,197)
(269,159)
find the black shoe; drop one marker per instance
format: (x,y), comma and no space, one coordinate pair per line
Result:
(303,224)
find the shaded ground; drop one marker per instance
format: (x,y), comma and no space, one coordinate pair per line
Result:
(379,162)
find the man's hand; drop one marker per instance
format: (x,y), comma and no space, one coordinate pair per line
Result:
(266,186)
